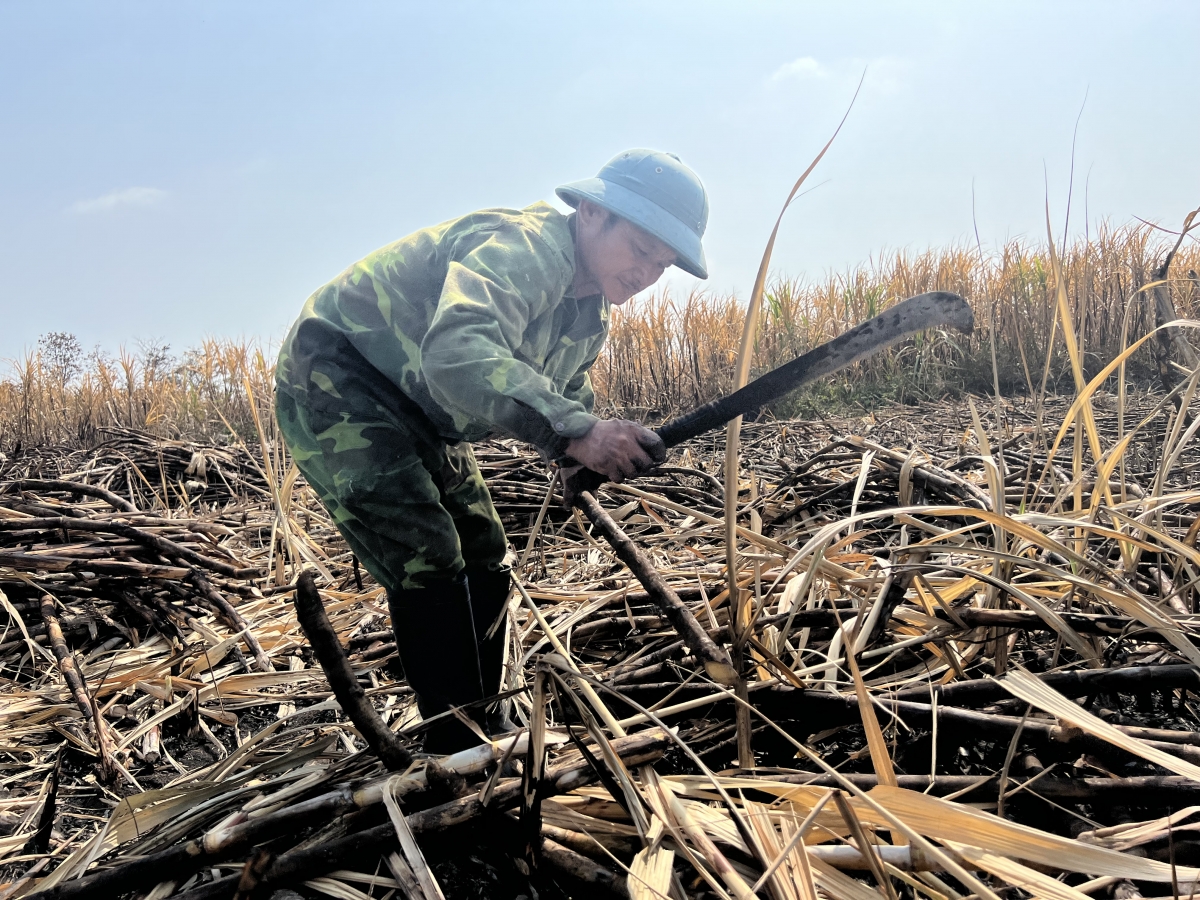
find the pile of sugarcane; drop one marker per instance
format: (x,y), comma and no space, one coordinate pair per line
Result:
(962,662)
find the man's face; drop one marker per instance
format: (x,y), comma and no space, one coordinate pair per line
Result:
(621,258)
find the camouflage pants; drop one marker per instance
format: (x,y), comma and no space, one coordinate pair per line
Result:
(413,508)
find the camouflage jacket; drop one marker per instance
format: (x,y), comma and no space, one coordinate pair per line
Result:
(473,319)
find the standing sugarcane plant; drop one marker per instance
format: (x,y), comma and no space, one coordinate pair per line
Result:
(738,596)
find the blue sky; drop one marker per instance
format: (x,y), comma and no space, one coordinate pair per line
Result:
(177,170)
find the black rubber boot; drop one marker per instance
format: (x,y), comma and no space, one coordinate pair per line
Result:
(435,636)
(489,596)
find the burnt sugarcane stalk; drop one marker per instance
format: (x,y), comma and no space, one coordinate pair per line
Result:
(69,669)
(158,544)
(88,490)
(716,660)
(1130,680)
(580,867)
(829,709)
(1014,619)
(1175,791)
(309,862)
(236,838)
(310,611)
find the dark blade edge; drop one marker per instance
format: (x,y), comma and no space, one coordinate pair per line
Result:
(915,314)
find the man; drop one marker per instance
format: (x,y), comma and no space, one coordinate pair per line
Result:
(481,325)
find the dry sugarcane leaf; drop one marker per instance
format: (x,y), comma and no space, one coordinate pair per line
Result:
(413,856)
(650,872)
(1017,875)
(944,820)
(1133,834)
(1031,689)
(778,863)
(880,758)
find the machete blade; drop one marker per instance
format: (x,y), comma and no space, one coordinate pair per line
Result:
(937,309)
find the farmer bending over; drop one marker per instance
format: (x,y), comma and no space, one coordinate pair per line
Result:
(483,325)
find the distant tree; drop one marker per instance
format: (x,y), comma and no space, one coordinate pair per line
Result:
(62,356)
(99,358)
(156,359)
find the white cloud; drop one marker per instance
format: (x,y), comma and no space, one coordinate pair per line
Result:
(137,197)
(804,67)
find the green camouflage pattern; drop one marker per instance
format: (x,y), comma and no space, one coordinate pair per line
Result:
(448,335)
(413,508)
(473,319)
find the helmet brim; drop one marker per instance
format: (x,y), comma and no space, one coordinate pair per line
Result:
(645,214)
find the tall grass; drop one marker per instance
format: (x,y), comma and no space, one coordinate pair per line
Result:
(669,354)
(56,395)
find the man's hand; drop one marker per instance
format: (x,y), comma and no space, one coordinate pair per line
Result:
(617,449)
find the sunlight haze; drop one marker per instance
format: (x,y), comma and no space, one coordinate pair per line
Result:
(175,171)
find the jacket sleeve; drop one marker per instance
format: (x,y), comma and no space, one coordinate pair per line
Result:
(580,390)
(495,285)
(580,386)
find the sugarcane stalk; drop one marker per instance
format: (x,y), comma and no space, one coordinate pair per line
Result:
(1017,619)
(116,501)
(580,867)
(1177,791)
(1130,680)
(310,611)
(160,545)
(116,568)
(303,864)
(830,708)
(105,746)
(235,838)
(716,660)
(213,598)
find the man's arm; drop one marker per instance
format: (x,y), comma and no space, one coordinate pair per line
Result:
(506,278)
(500,282)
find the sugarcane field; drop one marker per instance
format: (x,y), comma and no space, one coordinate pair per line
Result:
(595,545)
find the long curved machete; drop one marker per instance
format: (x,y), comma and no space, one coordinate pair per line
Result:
(933,310)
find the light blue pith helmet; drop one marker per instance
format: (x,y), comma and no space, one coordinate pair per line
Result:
(657,193)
